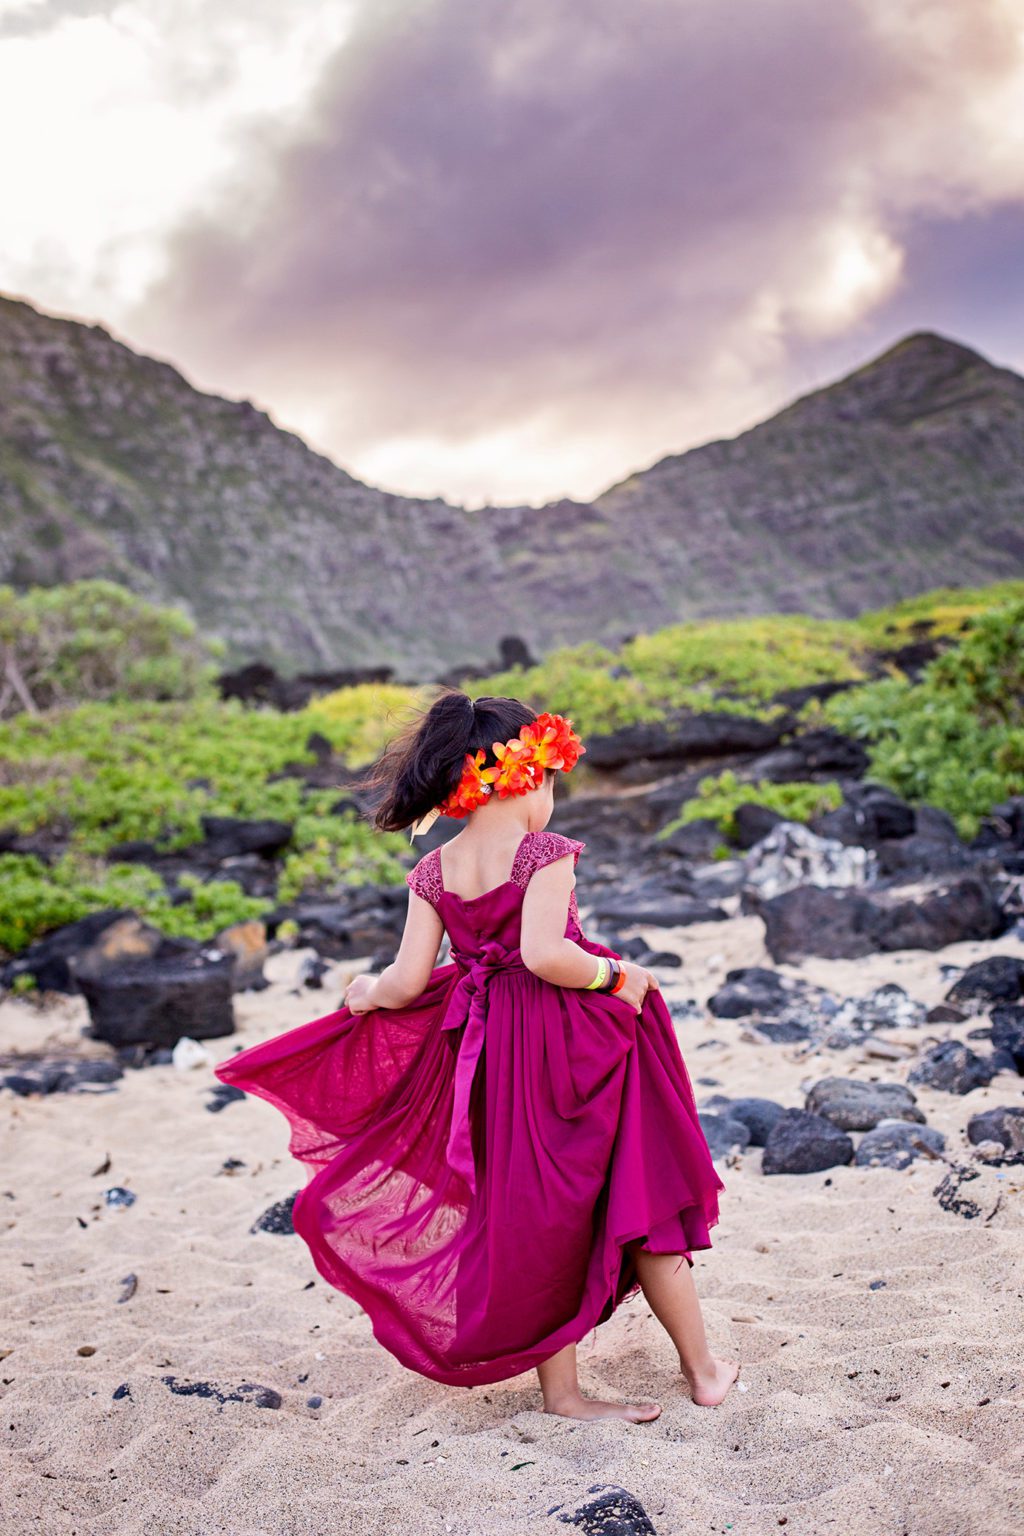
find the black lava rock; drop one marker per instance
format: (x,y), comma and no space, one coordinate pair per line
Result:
(1004,1124)
(277,1218)
(895,1144)
(758,1115)
(1008,1032)
(855,1105)
(999,979)
(953,1067)
(723,1133)
(800,1142)
(613,1512)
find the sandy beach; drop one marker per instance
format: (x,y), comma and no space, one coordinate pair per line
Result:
(881,1336)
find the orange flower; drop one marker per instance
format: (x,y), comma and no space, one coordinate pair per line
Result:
(514,772)
(555,743)
(472,789)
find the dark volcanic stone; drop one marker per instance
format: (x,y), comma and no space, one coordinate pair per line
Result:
(1007,1032)
(1004,1124)
(800,1142)
(895,1144)
(694,840)
(723,1132)
(999,979)
(750,989)
(48,959)
(154,1000)
(688,737)
(613,1512)
(753,822)
(814,754)
(672,912)
(842,923)
(229,837)
(952,1067)
(758,1115)
(855,1105)
(277,1218)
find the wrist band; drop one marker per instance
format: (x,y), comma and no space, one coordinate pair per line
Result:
(615,970)
(620,980)
(600,978)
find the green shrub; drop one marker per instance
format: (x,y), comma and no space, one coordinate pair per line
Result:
(719,796)
(956,738)
(98,640)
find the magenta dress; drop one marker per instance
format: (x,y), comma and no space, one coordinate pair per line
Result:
(477,1160)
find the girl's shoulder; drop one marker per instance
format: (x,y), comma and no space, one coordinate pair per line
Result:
(425,877)
(540,848)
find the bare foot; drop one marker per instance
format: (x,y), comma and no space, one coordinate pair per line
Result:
(708,1388)
(593,1408)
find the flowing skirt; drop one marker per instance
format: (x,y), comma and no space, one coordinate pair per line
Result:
(584,1135)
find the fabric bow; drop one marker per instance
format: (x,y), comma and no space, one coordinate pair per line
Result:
(468,1006)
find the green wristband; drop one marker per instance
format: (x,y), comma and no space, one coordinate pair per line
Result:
(601,977)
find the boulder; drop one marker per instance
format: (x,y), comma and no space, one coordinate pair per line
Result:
(684,738)
(182,989)
(1007,1032)
(610,1511)
(801,1142)
(228,837)
(846,924)
(870,814)
(758,1115)
(671,912)
(694,840)
(895,1144)
(953,1067)
(753,822)
(855,1105)
(723,1132)
(824,754)
(246,943)
(791,856)
(750,989)
(48,959)
(1004,1124)
(999,979)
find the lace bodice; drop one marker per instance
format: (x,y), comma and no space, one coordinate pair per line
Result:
(535,850)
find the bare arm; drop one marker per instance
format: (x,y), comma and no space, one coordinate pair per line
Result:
(408,974)
(549,954)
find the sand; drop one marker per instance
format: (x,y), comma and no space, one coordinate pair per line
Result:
(866,1412)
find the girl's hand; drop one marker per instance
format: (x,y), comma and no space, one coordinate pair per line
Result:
(638,982)
(358,996)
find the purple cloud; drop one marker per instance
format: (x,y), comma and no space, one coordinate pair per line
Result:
(606,227)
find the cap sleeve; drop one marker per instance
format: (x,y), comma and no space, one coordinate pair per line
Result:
(425,877)
(544,848)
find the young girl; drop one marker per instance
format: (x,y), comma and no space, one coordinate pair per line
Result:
(503,1148)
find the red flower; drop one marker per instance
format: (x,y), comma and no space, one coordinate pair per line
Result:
(472,789)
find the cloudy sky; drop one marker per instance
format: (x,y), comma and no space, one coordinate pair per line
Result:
(510,250)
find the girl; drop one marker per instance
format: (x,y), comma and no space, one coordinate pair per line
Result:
(503,1148)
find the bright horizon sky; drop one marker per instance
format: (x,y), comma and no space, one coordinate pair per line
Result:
(510,250)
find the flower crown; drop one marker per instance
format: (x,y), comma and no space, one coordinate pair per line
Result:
(547,742)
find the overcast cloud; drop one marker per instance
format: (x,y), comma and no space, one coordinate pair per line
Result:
(513,249)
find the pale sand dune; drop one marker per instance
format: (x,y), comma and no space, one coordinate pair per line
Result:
(861,1416)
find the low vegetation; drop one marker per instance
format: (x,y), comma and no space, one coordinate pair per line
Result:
(116,733)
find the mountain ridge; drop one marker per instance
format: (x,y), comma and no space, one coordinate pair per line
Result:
(903,475)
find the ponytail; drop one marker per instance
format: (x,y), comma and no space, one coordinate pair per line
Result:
(423,764)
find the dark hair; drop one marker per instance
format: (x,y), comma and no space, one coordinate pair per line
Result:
(423,764)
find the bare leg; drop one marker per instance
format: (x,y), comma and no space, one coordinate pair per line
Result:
(667,1283)
(561,1388)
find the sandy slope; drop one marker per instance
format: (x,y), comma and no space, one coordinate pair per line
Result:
(866,1412)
